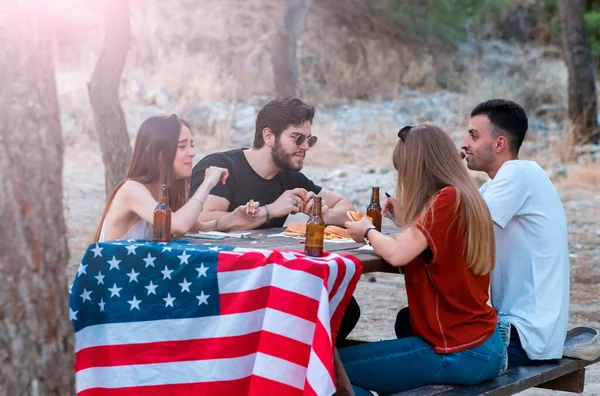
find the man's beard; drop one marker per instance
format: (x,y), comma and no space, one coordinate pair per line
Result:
(483,161)
(282,159)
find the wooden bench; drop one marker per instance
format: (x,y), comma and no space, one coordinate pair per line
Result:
(567,375)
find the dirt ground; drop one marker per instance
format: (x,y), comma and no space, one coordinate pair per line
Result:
(380,295)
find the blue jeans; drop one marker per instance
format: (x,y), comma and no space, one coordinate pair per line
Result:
(392,366)
(517,355)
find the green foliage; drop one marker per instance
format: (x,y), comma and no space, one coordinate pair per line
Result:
(592,26)
(591,17)
(442,22)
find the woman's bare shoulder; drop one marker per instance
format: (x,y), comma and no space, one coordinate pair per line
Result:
(132,188)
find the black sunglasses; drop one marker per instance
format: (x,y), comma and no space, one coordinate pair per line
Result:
(403,133)
(312,140)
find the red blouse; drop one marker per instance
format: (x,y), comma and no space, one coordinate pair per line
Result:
(448,303)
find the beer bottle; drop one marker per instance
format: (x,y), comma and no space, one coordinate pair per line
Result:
(315,231)
(162,217)
(374,209)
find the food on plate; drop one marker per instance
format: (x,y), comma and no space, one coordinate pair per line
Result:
(332,232)
(250,207)
(296,230)
(355,215)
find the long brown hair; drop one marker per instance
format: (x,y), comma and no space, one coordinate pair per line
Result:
(152,161)
(427,161)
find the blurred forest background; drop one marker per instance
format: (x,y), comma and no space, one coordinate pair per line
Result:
(77,77)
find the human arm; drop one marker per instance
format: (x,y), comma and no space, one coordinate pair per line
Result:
(288,202)
(137,198)
(333,207)
(428,231)
(398,250)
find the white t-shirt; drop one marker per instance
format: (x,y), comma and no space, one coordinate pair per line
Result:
(530,282)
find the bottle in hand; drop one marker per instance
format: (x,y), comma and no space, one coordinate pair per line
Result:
(315,231)
(162,217)
(374,209)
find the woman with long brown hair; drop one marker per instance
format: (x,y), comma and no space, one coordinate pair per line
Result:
(162,154)
(447,251)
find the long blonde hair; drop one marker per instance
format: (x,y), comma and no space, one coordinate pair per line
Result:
(152,161)
(427,161)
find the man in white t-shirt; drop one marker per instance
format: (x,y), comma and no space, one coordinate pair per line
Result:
(530,283)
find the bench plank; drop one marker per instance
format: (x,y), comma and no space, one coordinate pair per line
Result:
(516,380)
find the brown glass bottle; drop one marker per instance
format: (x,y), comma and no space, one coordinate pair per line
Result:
(315,231)
(161,231)
(374,209)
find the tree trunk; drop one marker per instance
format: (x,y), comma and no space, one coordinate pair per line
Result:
(103,89)
(285,43)
(583,122)
(36,338)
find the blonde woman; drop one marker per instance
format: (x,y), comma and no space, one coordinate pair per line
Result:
(447,251)
(163,154)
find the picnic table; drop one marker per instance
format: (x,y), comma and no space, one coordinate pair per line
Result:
(271,239)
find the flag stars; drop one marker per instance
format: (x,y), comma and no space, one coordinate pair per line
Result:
(169,300)
(97,251)
(151,288)
(114,263)
(133,276)
(183,258)
(202,298)
(82,269)
(131,249)
(149,261)
(72,314)
(214,248)
(185,285)
(115,291)
(202,270)
(102,304)
(135,303)
(166,249)
(100,278)
(166,273)
(86,295)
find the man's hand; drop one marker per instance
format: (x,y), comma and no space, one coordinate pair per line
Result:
(290,202)
(238,218)
(309,200)
(357,229)
(309,203)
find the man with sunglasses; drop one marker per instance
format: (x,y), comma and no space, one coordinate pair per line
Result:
(269,172)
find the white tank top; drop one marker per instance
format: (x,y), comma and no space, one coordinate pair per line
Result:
(141,230)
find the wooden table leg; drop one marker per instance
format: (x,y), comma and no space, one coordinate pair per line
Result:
(342,382)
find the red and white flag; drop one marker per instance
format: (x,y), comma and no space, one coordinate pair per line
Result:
(188,319)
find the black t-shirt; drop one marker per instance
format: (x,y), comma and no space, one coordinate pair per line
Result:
(244,184)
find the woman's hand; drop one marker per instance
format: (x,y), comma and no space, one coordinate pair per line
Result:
(389,207)
(215,175)
(357,229)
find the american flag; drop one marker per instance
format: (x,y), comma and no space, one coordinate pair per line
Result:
(184,318)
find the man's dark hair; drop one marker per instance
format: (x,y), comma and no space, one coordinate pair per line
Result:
(278,114)
(507,118)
